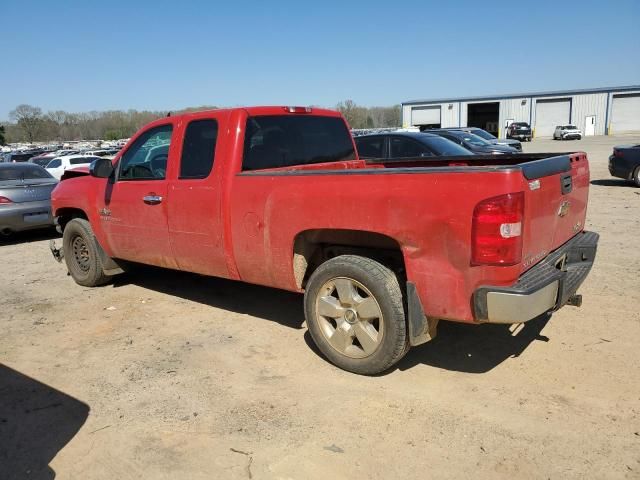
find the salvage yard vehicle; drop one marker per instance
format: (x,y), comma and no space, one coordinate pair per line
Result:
(567,132)
(407,145)
(383,249)
(519,130)
(58,165)
(473,142)
(25,197)
(489,137)
(625,163)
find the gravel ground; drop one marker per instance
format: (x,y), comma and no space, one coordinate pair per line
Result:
(169,375)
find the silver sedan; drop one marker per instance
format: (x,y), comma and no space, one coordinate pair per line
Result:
(25,197)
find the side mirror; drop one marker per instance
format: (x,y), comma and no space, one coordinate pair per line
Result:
(101,168)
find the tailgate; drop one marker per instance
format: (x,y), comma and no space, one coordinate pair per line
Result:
(556,195)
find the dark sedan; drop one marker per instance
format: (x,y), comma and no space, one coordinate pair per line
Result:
(25,197)
(489,138)
(407,145)
(473,142)
(625,163)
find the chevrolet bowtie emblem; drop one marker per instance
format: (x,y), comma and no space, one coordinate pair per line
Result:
(564,208)
(104,212)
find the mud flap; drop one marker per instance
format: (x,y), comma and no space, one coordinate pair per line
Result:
(421,328)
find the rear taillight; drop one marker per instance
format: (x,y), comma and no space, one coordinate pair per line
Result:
(496,234)
(617,153)
(5,201)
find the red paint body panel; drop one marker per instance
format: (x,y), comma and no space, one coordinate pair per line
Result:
(242,225)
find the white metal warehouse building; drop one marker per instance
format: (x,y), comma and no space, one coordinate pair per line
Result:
(597,111)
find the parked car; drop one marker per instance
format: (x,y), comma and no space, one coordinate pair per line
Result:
(25,197)
(567,132)
(625,163)
(58,165)
(520,131)
(382,250)
(43,159)
(407,145)
(489,138)
(473,142)
(20,156)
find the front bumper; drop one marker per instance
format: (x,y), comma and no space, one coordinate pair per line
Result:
(546,287)
(571,136)
(25,216)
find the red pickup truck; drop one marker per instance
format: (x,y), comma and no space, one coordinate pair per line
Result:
(382,249)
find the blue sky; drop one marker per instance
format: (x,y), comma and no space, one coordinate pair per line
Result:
(157,55)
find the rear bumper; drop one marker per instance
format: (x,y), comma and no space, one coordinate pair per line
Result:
(546,287)
(25,216)
(619,171)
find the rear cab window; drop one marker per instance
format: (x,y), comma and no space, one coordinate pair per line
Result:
(273,141)
(198,149)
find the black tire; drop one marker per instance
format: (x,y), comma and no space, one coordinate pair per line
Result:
(81,254)
(383,285)
(636,177)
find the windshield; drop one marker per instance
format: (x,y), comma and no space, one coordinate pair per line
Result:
(570,127)
(483,134)
(472,139)
(24,172)
(443,146)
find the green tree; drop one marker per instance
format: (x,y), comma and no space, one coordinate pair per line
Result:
(2,137)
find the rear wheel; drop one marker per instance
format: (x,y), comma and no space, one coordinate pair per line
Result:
(355,314)
(81,254)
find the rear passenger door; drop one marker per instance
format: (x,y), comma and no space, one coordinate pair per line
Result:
(195,226)
(402,147)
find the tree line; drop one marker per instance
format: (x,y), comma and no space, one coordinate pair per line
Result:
(29,123)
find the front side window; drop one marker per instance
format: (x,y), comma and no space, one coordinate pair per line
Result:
(407,148)
(55,163)
(198,149)
(370,147)
(273,141)
(147,158)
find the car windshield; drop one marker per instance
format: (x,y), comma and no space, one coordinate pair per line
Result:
(520,124)
(472,139)
(483,134)
(23,172)
(570,127)
(443,146)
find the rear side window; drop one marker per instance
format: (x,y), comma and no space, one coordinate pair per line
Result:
(198,149)
(407,148)
(285,140)
(370,147)
(80,160)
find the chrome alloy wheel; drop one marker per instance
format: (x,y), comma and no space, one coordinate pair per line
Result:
(349,317)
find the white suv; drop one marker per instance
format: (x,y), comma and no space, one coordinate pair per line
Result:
(58,165)
(567,132)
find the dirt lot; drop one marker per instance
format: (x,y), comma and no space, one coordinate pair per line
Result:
(169,375)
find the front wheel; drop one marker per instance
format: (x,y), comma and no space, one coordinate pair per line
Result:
(81,254)
(355,314)
(636,177)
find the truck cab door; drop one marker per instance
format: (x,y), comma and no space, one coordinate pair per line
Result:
(133,206)
(194,208)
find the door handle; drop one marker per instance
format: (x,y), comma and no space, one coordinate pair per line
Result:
(152,199)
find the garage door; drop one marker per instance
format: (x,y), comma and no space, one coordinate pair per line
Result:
(425,116)
(551,113)
(625,114)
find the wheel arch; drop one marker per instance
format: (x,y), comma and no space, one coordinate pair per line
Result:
(66,214)
(313,247)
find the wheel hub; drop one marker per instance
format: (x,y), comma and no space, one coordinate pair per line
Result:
(351,316)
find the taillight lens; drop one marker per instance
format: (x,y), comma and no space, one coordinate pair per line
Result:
(5,201)
(497,230)
(617,153)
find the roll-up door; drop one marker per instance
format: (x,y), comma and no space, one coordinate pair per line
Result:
(425,115)
(625,114)
(550,114)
